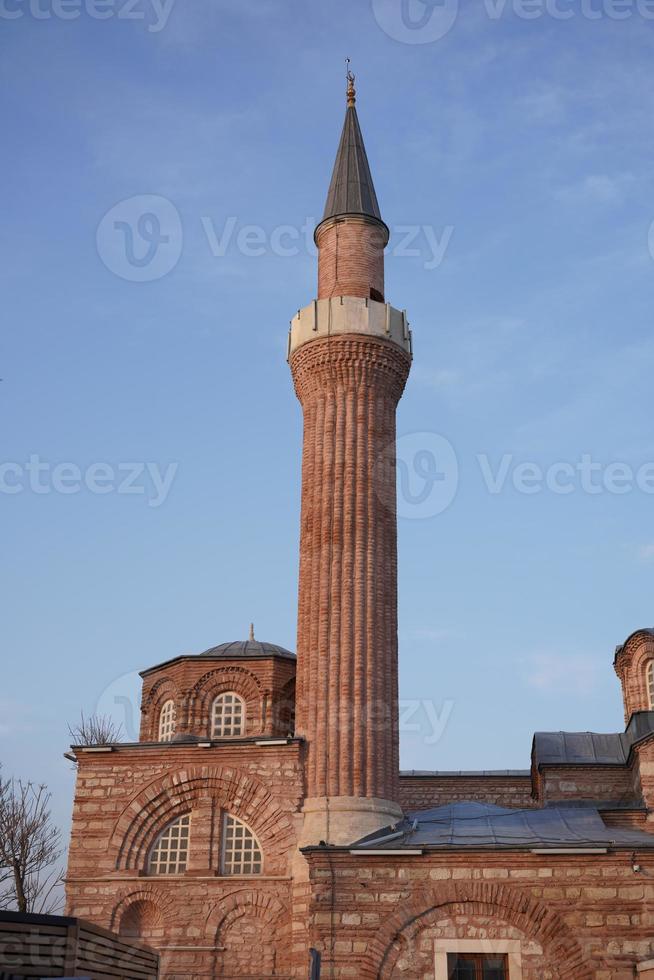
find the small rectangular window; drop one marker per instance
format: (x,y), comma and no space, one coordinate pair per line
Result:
(477,966)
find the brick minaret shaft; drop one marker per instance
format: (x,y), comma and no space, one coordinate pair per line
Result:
(350,356)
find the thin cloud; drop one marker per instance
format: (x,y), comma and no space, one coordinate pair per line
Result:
(596,189)
(559,673)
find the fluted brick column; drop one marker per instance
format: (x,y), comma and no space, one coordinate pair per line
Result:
(349,387)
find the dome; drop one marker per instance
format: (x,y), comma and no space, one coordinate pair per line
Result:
(247,649)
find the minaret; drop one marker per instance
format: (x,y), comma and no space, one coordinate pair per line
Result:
(350,355)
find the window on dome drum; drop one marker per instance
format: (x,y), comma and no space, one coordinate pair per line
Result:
(650,683)
(169,852)
(167,721)
(228,715)
(476,966)
(241,853)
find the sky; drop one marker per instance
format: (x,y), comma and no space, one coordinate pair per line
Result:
(163,167)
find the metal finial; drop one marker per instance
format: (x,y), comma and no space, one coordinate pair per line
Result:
(251,632)
(351,92)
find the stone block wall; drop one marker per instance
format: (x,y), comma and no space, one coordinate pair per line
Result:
(576,917)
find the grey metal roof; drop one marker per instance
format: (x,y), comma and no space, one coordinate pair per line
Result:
(482,825)
(351,190)
(453,773)
(247,649)
(591,748)
(236,650)
(585,748)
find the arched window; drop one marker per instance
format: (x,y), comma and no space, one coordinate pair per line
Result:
(241,853)
(167,721)
(650,683)
(228,715)
(169,852)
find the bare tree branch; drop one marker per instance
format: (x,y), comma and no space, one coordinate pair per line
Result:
(30,846)
(95,730)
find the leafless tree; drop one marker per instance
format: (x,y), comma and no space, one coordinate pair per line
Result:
(95,730)
(30,847)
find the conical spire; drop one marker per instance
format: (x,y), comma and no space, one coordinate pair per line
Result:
(351,190)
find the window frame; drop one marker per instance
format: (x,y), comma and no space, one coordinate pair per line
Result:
(183,840)
(511,948)
(237,699)
(477,961)
(168,726)
(249,836)
(649,683)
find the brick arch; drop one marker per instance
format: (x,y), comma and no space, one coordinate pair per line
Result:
(267,910)
(515,907)
(229,678)
(162,690)
(147,893)
(630,666)
(176,793)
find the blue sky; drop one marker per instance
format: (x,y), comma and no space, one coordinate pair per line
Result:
(524,146)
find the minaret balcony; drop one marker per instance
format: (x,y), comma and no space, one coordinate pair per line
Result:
(341,315)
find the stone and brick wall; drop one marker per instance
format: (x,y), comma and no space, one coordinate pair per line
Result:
(425,792)
(266,685)
(203,924)
(575,918)
(616,783)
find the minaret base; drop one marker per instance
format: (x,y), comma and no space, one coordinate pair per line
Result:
(343,820)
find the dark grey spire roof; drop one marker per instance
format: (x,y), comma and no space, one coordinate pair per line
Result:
(351,190)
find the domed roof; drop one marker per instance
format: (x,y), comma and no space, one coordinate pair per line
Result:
(236,650)
(247,649)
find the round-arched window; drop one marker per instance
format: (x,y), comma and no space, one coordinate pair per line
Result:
(169,854)
(241,851)
(228,715)
(650,683)
(167,721)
